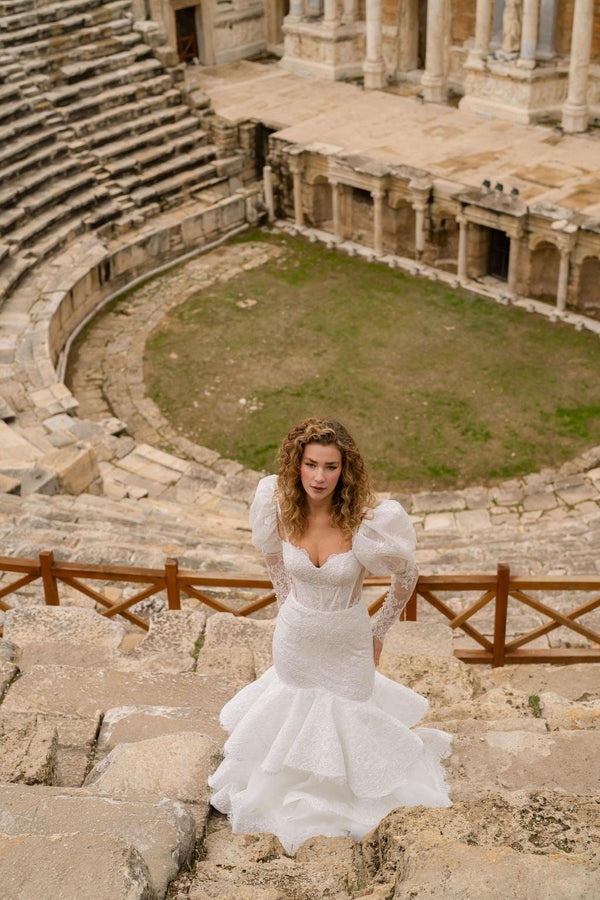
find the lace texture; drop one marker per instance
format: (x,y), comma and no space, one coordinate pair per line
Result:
(279,576)
(401,588)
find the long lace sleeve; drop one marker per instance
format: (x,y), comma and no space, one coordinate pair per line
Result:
(401,588)
(278,575)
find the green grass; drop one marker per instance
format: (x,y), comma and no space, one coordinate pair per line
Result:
(440,388)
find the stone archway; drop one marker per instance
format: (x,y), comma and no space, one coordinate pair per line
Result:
(589,284)
(543,277)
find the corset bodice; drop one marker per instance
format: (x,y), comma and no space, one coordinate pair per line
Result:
(333,586)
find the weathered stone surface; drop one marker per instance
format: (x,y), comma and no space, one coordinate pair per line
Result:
(580,681)
(255,865)
(8,670)
(501,709)
(75,468)
(29,625)
(129,724)
(8,651)
(9,485)
(86,694)
(437,502)
(418,639)
(460,870)
(172,765)
(510,761)
(225,630)
(28,752)
(170,644)
(558,712)
(443,680)
(162,834)
(72,866)
(230,667)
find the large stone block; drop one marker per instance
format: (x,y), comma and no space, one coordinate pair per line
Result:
(418,639)
(72,866)
(226,631)
(499,873)
(163,835)
(28,752)
(580,681)
(443,680)
(519,760)
(74,467)
(130,724)
(172,765)
(62,624)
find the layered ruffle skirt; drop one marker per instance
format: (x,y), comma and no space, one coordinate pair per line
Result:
(322,743)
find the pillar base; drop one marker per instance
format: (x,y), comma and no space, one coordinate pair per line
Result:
(374,73)
(575,117)
(433,88)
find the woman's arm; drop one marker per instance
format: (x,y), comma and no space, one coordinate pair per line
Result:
(278,575)
(401,588)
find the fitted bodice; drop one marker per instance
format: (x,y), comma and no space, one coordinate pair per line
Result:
(333,586)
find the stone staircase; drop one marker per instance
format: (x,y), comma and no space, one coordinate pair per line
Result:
(97,133)
(100,737)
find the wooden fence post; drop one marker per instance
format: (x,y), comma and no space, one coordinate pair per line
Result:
(410,612)
(173,597)
(49,581)
(503,579)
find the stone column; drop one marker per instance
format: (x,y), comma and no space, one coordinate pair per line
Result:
(462,247)
(483,20)
(330,17)
(529,33)
(563,275)
(268,187)
(349,13)
(575,110)
(419,207)
(296,9)
(335,209)
(296,170)
(373,66)
(377,196)
(513,263)
(433,76)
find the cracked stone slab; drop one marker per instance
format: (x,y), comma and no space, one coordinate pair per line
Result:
(28,752)
(176,766)
(72,866)
(162,834)
(226,631)
(42,624)
(130,724)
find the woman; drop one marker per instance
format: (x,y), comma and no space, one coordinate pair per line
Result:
(321,743)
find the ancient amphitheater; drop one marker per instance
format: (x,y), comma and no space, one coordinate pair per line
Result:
(117,161)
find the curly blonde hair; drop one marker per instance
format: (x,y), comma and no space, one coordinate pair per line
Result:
(353,494)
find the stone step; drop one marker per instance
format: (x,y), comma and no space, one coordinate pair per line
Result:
(141,71)
(78,44)
(90,68)
(123,93)
(57,19)
(157,188)
(55,191)
(35,178)
(119,120)
(149,131)
(27,146)
(12,272)
(153,153)
(162,834)
(22,124)
(62,220)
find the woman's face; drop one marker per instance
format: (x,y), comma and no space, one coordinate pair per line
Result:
(320,470)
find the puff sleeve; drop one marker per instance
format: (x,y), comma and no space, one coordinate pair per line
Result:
(265,535)
(385,545)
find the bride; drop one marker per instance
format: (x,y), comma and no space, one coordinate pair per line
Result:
(322,743)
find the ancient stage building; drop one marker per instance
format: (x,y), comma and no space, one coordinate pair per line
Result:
(520,60)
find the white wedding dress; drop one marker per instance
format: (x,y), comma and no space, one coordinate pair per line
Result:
(322,743)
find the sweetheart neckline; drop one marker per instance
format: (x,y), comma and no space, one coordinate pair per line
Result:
(331,555)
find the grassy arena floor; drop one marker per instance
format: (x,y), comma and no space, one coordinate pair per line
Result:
(440,388)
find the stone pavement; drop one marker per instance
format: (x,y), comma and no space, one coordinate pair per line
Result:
(454,146)
(521,772)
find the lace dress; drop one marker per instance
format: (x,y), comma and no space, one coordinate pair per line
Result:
(322,743)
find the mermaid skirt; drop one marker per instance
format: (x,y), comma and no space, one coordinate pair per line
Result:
(322,743)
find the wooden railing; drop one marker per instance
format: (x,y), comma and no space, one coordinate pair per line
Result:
(500,588)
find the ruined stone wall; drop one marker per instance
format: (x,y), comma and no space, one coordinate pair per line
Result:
(462,21)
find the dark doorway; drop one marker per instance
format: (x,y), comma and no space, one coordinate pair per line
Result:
(421,33)
(187,38)
(498,254)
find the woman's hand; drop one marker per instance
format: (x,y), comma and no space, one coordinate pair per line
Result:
(377,645)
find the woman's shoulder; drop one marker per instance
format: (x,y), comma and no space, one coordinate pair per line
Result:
(385,533)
